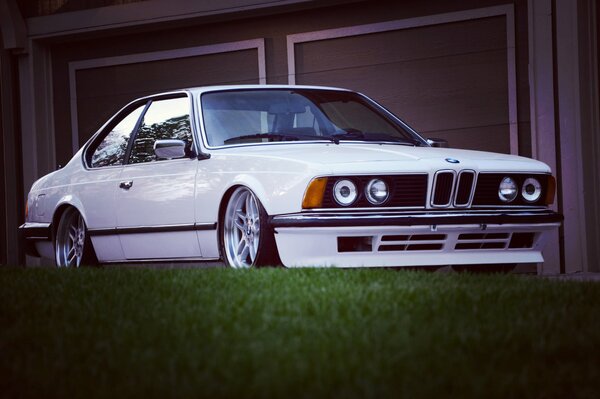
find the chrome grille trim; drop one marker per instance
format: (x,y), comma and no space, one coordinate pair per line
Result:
(464,187)
(442,192)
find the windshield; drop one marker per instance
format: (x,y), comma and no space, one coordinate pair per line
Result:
(261,116)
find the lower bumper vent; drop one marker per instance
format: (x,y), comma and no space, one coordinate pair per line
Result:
(436,242)
(494,241)
(415,242)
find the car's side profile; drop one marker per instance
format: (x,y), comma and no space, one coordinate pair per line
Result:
(292,175)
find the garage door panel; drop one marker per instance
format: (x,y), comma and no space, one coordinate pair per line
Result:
(403,45)
(93,113)
(168,74)
(483,138)
(103,91)
(450,93)
(446,77)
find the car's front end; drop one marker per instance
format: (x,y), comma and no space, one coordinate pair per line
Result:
(449,207)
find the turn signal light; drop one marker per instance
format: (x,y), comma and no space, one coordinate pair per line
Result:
(313,197)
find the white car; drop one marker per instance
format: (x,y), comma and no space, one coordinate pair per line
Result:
(292,175)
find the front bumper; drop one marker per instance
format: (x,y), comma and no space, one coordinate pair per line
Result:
(361,239)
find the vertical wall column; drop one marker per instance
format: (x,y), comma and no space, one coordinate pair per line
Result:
(541,92)
(570,134)
(3,229)
(12,39)
(589,123)
(12,189)
(37,121)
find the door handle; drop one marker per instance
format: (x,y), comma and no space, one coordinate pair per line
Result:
(126,185)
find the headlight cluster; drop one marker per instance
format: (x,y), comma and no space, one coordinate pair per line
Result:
(345,192)
(531,190)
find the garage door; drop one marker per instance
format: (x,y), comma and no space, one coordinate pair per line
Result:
(103,90)
(446,80)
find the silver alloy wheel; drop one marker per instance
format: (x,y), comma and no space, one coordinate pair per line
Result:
(241,229)
(70,239)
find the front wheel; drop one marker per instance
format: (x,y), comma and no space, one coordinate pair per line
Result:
(246,238)
(72,245)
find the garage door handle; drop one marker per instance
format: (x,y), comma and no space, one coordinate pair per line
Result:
(126,185)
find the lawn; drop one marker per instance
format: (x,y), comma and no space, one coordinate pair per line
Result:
(295,333)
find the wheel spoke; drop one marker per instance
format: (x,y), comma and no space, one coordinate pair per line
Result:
(244,254)
(252,250)
(240,247)
(71,255)
(254,210)
(256,227)
(239,225)
(249,208)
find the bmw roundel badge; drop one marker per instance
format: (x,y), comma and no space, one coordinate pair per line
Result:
(452,160)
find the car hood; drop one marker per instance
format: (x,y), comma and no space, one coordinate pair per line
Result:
(362,158)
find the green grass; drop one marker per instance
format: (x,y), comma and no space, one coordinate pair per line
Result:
(295,333)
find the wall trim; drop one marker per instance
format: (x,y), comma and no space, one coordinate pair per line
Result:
(74,66)
(436,19)
(143,13)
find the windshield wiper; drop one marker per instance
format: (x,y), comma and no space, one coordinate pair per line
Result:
(281,137)
(269,136)
(355,134)
(349,134)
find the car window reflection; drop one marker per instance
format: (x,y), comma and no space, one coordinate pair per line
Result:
(165,119)
(111,150)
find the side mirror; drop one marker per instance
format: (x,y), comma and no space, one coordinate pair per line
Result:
(169,149)
(441,143)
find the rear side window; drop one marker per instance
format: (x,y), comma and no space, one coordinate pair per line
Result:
(111,151)
(165,119)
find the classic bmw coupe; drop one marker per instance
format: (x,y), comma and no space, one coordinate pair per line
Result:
(291,175)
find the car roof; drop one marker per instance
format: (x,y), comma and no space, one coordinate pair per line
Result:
(204,89)
(196,91)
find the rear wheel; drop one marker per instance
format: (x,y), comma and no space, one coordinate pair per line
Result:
(246,238)
(72,245)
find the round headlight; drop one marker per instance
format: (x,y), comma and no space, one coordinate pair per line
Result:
(532,190)
(507,191)
(377,191)
(344,192)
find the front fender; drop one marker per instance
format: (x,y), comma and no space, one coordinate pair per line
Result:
(279,193)
(257,188)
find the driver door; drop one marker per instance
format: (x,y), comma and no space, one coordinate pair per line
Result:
(155,214)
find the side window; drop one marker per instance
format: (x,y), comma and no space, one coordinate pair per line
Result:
(111,150)
(165,119)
